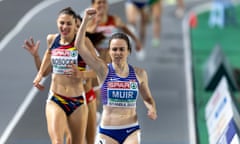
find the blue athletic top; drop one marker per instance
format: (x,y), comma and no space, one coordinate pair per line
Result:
(63,55)
(120,92)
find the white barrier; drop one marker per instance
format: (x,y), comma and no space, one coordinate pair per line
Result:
(222,117)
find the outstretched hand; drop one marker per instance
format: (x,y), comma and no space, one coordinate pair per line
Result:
(31,46)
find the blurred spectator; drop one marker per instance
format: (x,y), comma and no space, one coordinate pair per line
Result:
(217,14)
(138,14)
(222,13)
(156,11)
(108,24)
(179,13)
(229,13)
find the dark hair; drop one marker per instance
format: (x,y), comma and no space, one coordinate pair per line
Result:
(123,36)
(95,37)
(79,17)
(93,1)
(68,11)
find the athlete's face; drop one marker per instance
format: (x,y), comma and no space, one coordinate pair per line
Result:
(66,25)
(101,6)
(118,50)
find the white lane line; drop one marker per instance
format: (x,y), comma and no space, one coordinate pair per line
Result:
(114,1)
(26,18)
(30,96)
(188,67)
(188,70)
(21,110)
(189,83)
(28,99)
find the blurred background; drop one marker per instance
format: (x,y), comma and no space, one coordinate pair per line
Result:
(193,70)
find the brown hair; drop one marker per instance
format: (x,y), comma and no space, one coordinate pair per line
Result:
(68,11)
(95,37)
(123,36)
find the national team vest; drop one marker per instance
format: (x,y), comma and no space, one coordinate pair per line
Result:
(63,55)
(120,92)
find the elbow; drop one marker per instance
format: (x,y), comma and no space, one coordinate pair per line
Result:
(149,100)
(45,74)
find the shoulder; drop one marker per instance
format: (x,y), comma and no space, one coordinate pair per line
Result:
(140,73)
(117,20)
(51,37)
(115,17)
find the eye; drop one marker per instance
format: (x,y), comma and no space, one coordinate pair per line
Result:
(69,23)
(114,49)
(61,22)
(121,49)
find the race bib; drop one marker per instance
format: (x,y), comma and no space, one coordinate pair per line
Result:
(122,94)
(60,58)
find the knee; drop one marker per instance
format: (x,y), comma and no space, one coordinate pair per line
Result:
(57,141)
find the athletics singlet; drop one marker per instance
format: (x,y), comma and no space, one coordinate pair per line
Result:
(107,29)
(120,92)
(63,55)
